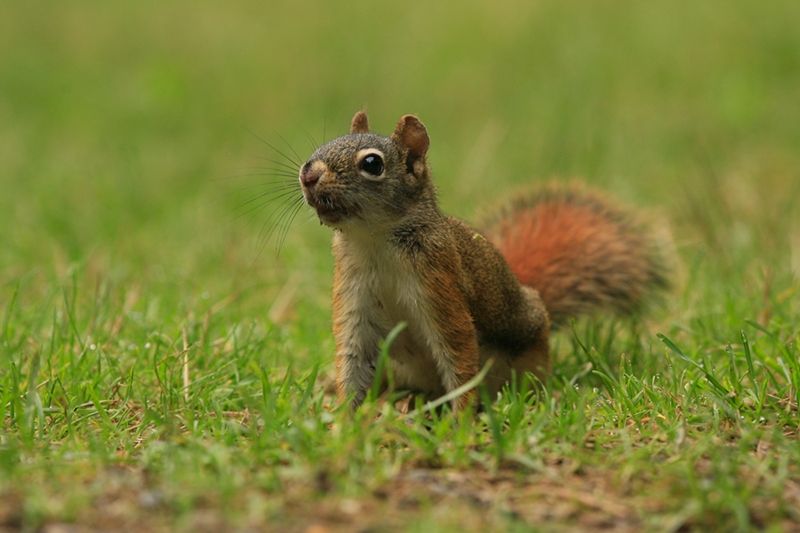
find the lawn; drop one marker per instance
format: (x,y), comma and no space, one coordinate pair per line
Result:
(166,358)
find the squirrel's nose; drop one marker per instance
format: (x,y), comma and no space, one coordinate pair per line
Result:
(310,176)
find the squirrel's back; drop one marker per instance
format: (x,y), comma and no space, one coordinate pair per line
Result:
(578,251)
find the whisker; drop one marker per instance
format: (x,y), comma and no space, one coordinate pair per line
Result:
(276,186)
(277,201)
(277,189)
(244,207)
(283,177)
(287,170)
(287,225)
(278,173)
(291,168)
(310,138)
(296,162)
(267,172)
(264,196)
(260,207)
(299,159)
(268,229)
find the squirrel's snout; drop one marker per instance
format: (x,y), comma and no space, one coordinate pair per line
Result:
(310,175)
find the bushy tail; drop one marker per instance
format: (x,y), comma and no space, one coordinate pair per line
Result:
(579,251)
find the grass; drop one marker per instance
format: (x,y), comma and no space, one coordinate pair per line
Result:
(164,369)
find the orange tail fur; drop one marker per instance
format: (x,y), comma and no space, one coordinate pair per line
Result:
(581,253)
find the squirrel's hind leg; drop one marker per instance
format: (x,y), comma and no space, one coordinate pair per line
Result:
(528,353)
(507,366)
(535,357)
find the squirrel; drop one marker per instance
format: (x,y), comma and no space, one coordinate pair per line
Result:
(467,296)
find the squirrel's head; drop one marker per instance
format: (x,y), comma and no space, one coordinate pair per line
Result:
(365,176)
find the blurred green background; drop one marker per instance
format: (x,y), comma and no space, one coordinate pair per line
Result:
(123,125)
(126,153)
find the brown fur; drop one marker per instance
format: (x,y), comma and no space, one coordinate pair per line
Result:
(452,319)
(467,299)
(360,123)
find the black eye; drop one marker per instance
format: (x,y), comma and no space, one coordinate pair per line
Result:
(372,164)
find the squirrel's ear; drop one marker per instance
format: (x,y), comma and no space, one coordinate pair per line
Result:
(411,134)
(360,123)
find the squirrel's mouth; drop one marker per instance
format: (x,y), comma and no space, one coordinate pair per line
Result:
(329,212)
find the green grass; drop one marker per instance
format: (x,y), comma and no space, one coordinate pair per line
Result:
(161,368)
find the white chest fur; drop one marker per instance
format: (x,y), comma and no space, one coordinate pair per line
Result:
(384,288)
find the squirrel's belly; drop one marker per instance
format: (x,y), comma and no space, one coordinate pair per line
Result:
(412,363)
(413,367)
(410,359)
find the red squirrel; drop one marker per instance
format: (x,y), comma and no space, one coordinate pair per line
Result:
(467,296)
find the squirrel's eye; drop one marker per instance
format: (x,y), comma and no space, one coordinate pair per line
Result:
(372,164)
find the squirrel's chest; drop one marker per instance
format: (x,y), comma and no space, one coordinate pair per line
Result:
(374,294)
(386,288)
